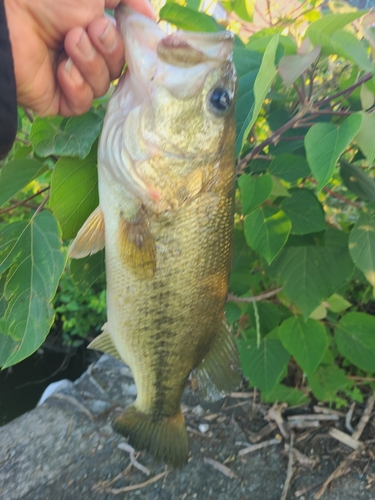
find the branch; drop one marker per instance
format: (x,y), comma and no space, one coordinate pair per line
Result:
(255,298)
(23,202)
(349,90)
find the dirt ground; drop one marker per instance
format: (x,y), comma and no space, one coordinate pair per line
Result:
(66,449)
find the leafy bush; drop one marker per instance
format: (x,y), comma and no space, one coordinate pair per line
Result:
(301,296)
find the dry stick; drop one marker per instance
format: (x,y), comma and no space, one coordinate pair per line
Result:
(117,491)
(344,438)
(338,472)
(290,470)
(256,298)
(348,418)
(365,418)
(254,447)
(129,449)
(220,467)
(20,203)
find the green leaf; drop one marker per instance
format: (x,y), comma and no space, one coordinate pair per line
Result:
(85,272)
(289,167)
(262,84)
(337,303)
(188,19)
(355,338)
(74,192)
(362,245)
(292,67)
(306,341)
(30,286)
(17,174)
(266,231)
(304,211)
(347,45)
(324,144)
(321,30)
(365,136)
(358,181)
(72,137)
(311,274)
(254,191)
(289,395)
(327,381)
(265,365)
(259,41)
(10,244)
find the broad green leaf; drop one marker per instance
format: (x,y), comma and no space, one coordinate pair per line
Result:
(326,381)
(311,274)
(365,136)
(254,191)
(367,98)
(188,19)
(289,395)
(265,365)
(355,338)
(337,303)
(304,211)
(262,84)
(269,316)
(10,243)
(289,167)
(292,67)
(306,341)
(85,272)
(259,41)
(362,245)
(72,137)
(193,4)
(266,231)
(346,44)
(74,192)
(17,174)
(358,181)
(278,189)
(321,30)
(30,286)
(325,143)
(7,346)
(243,8)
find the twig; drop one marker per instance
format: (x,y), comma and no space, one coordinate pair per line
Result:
(274,414)
(72,400)
(129,449)
(328,411)
(312,417)
(220,467)
(41,206)
(241,395)
(365,418)
(256,298)
(259,446)
(301,458)
(263,433)
(339,471)
(23,202)
(344,438)
(290,470)
(23,141)
(348,418)
(349,90)
(362,379)
(117,491)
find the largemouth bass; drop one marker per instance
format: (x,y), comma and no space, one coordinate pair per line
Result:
(166,187)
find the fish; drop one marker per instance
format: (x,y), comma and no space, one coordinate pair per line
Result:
(166,178)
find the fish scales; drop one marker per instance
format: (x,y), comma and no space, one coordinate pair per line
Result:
(166,189)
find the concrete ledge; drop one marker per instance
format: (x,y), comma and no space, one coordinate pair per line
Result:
(66,449)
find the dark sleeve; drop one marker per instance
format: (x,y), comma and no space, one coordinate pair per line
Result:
(8,99)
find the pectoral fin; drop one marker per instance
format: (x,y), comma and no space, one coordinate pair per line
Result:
(104,343)
(90,238)
(137,246)
(219,374)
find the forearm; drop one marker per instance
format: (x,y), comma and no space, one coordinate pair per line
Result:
(8,101)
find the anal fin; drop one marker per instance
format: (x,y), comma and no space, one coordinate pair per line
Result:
(104,343)
(219,374)
(90,238)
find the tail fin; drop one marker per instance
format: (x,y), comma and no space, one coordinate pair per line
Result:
(166,439)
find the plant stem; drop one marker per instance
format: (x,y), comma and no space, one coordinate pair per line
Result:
(23,202)
(255,298)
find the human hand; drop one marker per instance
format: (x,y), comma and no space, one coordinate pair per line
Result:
(65,52)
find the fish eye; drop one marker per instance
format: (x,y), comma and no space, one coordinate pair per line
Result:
(220,100)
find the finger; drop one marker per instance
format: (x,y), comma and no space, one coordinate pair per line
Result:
(76,94)
(87,60)
(107,41)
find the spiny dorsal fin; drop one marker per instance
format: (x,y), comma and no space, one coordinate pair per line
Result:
(104,343)
(137,246)
(219,374)
(90,238)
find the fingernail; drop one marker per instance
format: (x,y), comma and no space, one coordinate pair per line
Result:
(108,38)
(73,72)
(85,47)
